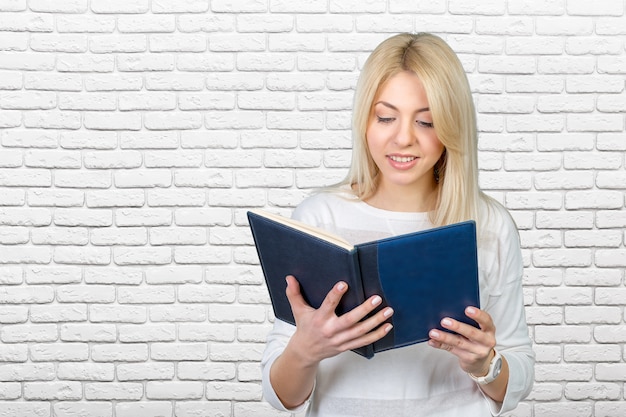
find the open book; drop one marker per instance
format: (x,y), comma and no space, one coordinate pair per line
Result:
(424,276)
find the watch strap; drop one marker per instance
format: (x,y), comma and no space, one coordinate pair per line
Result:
(491,374)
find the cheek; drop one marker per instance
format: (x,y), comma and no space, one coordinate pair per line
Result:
(434,145)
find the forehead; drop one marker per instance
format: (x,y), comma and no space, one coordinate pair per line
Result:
(405,86)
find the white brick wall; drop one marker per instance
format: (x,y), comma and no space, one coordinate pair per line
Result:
(134,134)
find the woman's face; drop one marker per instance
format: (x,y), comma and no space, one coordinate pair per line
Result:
(401,137)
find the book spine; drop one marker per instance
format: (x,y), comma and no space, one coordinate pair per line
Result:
(370,278)
(368,350)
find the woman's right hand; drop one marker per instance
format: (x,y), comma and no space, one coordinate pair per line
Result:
(321,334)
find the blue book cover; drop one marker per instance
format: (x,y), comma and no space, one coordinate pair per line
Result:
(424,276)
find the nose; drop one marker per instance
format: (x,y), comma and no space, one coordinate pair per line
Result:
(405,136)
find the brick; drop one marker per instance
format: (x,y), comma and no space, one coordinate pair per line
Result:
(93,409)
(535,123)
(52,119)
(52,390)
(593,277)
(561,25)
(576,391)
(58,314)
(610,296)
(609,26)
(135,352)
(161,332)
(61,352)
(113,391)
(388,24)
(540,239)
(234,391)
(183,313)
(86,371)
(593,238)
(63,43)
(562,257)
(198,408)
(174,390)
(119,6)
(117,314)
(565,65)
(27,372)
(536,7)
(20,333)
(206,372)
(577,409)
(147,409)
(599,8)
(28,100)
(596,314)
(189,6)
(85,23)
(610,258)
(85,64)
(593,45)
(25,61)
(308,23)
(179,351)
(203,332)
(565,142)
(522,161)
(566,180)
(326,62)
(603,84)
(26,409)
(262,23)
(145,371)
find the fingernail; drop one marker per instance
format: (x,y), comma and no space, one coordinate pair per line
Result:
(434,334)
(388,328)
(471,311)
(388,312)
(341,286)
(446,322)
(376,300)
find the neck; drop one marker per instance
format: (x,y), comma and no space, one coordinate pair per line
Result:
(404,199)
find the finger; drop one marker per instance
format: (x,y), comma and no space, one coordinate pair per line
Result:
(485,335)
(369,324)
(359,312)
(331,301)
(367,338)
(447,341)
(481,317)
(296,300)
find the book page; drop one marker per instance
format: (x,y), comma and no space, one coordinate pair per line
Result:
(306,228)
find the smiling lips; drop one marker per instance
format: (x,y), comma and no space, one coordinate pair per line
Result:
(402,162)
(402,159)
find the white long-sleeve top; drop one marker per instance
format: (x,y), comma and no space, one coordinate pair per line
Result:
(416,380)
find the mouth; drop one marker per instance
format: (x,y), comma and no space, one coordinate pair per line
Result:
(402,159)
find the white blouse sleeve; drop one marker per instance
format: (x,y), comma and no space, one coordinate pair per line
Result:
(503,266)
(277,339)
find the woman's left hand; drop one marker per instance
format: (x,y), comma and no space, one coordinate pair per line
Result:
(473,347)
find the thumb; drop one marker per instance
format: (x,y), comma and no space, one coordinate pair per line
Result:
(296,300)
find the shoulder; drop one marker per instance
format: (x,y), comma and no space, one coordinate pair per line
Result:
(495,219)
(320,207)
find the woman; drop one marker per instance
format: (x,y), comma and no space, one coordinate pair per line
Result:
(414,167)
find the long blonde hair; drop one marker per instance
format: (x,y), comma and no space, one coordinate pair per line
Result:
(454,118)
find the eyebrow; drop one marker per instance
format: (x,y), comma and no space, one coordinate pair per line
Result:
(391,106)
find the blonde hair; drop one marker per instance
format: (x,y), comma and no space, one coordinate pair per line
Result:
(454,118)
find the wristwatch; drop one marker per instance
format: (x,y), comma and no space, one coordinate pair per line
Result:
(495,367)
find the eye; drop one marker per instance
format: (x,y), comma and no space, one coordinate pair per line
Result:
(424,124)
(385,119)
